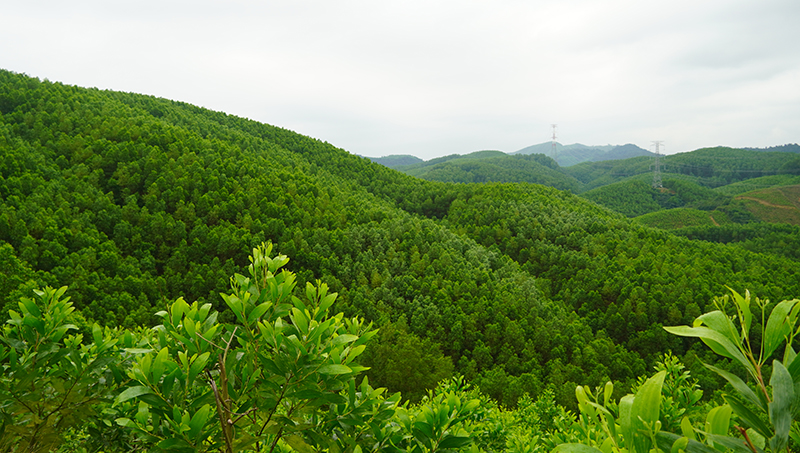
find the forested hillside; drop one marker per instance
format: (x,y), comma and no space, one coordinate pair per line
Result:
(134,201)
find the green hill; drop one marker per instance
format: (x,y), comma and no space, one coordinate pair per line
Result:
(134,201)
(396,161)
(534,169)
(775,205)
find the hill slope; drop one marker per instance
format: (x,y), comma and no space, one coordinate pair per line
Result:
(133,200)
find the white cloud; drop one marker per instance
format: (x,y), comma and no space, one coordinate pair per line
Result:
(440,77)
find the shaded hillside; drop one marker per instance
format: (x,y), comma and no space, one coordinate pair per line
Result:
(420,168)
(535,169)
(396,161)
(636,196)
(574,154)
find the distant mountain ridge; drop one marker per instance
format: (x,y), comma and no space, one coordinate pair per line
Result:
(576,153)
(567,155)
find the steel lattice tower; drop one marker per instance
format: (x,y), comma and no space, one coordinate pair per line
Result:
(554,149)
(657,166)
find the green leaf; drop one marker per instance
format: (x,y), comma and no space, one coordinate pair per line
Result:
(178,309)
(327,301)
(679,445)
(780,409)
(343,339)
(647,401)
(687,429)
(335,369)
(130,393)
(778,326)
(451,441)
(575,448)
(28,306)
(747,416)
(718,342)
(299,320)
(97,334)
(173,443)
(190,327)
(739,386)
(665,441)
(298,444)
(198,365)
(720,322)
(625,422)
(730,444)
(718,420)
(259,311)
(197,422)
(743,309)
(159,365)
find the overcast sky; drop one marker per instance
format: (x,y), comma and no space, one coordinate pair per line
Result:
(431,78)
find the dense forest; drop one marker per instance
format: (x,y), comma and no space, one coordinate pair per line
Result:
(521,290)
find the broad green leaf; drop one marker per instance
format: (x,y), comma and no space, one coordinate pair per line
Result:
(730,444)
(131,393)
(778,326)
(740,387)
(334,368)
(747,416)
(720,322)
(173,443)
(327,301)
(198,365)
(244,440)
(159,365)
(647,401)
(743,309)
(179,307)
(625,423)
(197,422)
(687,429)
(28,306)
(758,440)
(299,320)
(297,443)
(190,327)
(343,339)
(679,445)
(716,341)
(259,311)
(665,441)
(575,448)
(451,441)
(608,390)
(791,363)
(718,420)
(97,334)
(780,409)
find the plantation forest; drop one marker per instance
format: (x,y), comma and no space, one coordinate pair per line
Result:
(179,279)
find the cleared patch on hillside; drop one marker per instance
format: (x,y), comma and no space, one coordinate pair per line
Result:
(673,219)
(775,205)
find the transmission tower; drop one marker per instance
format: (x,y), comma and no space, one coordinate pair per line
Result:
(554,150)
(657,166)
